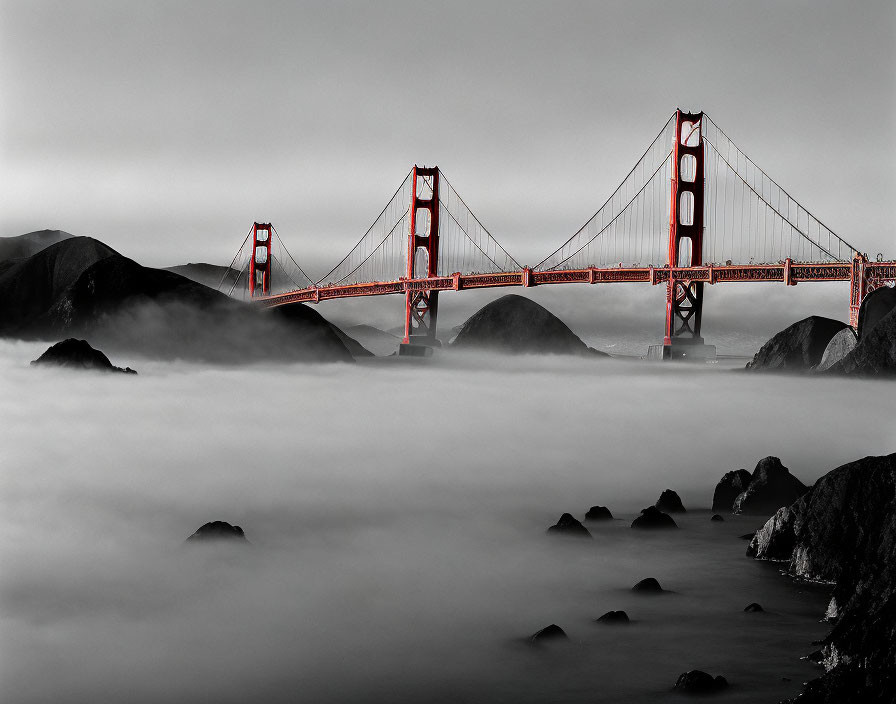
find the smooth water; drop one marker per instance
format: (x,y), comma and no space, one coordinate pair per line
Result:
(397,510)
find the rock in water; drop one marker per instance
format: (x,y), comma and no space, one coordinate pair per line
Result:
(567,525)
(771,487)
(753,608)
(516,324)
(844,531)
(838,348)
(218,530)
(549,634)
(876,306)
(598,513)
(797,348)
(649,585)
(652,518)
(699,682)
(875,352)
(614,617)
(78,354)
(732,485)
(716,518)
(669,502)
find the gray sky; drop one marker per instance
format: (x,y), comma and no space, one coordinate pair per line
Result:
(166,128)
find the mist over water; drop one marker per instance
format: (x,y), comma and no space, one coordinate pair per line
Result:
(396,510)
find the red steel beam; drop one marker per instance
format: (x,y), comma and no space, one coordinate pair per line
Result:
(787,272)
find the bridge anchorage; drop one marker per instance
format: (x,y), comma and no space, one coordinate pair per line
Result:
(693,211)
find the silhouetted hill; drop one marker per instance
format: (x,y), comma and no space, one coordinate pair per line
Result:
(518,324)
(30,287)
(81,286)
(378,341)
(211,275)
(30,243)
(798,347)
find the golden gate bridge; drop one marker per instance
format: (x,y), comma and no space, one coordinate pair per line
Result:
(693,211)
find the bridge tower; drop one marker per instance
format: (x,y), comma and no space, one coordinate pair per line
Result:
(422,306)
(684,298)
(260,261)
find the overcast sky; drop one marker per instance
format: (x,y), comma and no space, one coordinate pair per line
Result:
(165,128)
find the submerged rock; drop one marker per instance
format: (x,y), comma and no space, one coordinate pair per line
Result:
(614,617)
(598,513)
(798,347)
(218,530)
(649,585)
(771,487)
(567,525)
(753,608)
(549,634)
(730,486)
(844,531)
(78,354)
(669,502)
(516,324)
(716,518)
(652,518)
(699,682)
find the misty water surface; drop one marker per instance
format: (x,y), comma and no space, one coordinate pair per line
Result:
(397,512)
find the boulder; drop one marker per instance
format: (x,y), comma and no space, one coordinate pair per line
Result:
(549,634)
(875,352)
(753,608)
(876,306)
(771,487)
(614,618)
(567,525)
(652,518)
(669,502)
(598,513)
(730,486)
(843,531)
(841,345)
(218,530)
(516,324)
(699,682)
(648,585)
(798,347)
(716,518)
(77,354)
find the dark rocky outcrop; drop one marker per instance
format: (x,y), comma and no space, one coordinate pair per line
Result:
(876,306)
(218,530)
(648,585)
(875,352)
(732,485)
(716,518)
(699,682)
(516,324)
(753,608)
(77,354)
(843,531)
(598,513)
(669,502)
(840,346)
(798,347)
(568,525)
(652,518)
(549,634)
(771,487)
(613,618)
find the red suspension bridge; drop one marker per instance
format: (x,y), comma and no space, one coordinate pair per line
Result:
(694,210)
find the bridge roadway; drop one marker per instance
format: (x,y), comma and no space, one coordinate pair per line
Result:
(788,272)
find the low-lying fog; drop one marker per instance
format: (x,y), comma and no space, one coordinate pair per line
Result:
(396,511)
